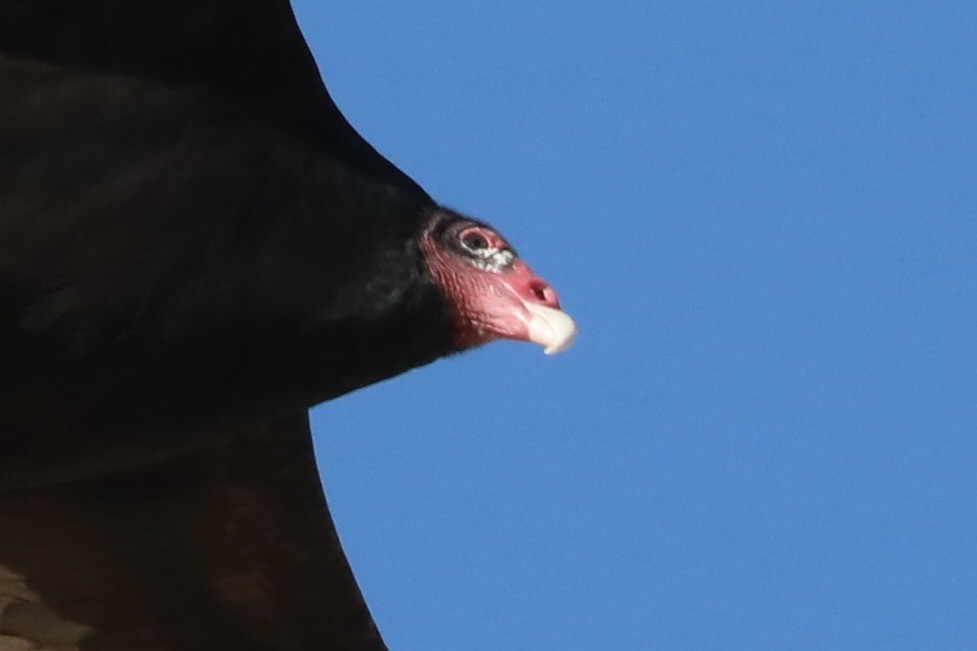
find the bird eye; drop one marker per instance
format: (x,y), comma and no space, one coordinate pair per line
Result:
(474,241)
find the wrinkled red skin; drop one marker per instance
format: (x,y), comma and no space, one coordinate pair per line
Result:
(485,304)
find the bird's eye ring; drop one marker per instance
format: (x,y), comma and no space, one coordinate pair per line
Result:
(474,241)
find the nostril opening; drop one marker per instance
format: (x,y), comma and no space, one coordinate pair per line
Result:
(544,293)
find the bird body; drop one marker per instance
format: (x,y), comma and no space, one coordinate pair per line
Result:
(196,247)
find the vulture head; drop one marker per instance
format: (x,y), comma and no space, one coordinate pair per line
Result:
(490,291)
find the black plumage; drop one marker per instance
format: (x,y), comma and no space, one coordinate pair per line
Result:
(178,191)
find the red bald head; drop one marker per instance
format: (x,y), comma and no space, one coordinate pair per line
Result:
(491,292)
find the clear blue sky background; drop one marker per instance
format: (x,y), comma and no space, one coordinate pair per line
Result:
(764,217)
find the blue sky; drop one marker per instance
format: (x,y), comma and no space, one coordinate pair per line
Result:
(764,217)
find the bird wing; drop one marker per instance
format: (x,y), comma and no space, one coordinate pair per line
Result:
(251,53)
(231,547)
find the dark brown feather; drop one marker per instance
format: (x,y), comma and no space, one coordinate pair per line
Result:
(195,247)
(225,548)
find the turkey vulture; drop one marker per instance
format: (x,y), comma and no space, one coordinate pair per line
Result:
(196,247)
